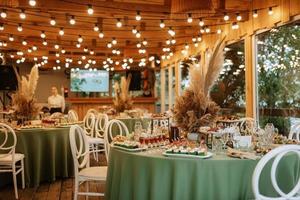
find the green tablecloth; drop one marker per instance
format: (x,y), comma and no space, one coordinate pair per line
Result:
(142,176)
(47,154)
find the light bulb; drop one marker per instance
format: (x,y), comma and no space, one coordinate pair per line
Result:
(90,10)
(119,23)
(226,17)
(270,12)
(61,31)
(22,14)
(138,34)
(32,2)
(201,22)
(138,16)
(255,14)
(85,49)
(1,27)
(189,19)
(238,17)
(3,14)
(45,43)
(114,41)
(219,31)
(138,45)
(173,41)
(80,39)
(109,45)
(52,21)
(78,45)
(11,38)
(134,31)
(34,48)
(43,35)
(56,46)
(145,42)
(207,29)
(72,20)
(101,34)
(24,42)
(162,24)
(96,27)
(63,51)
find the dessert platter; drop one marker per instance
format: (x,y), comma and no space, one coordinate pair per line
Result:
(124,143)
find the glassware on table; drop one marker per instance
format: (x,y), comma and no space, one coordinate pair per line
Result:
(269,131)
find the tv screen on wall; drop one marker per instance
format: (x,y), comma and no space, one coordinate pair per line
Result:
(89,81)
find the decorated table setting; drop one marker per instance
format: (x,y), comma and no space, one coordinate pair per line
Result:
(196,158)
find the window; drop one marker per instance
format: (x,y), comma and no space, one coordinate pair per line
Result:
(278,77)
(158,91)
(229,90)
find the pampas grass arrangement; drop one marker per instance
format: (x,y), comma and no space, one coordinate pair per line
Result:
(194,108)
(122,99)
(24,101)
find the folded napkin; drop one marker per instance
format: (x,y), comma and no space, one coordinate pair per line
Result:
(241,154)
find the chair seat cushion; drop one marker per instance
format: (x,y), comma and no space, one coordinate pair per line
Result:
(92,140)
(4,159)
(94,173)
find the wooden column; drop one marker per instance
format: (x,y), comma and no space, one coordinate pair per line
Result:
(250,76)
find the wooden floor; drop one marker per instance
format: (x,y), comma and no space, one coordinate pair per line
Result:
(61,189)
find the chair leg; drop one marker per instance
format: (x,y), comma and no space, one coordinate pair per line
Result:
(87,190)
(23,174)
(76,189)
(15,181)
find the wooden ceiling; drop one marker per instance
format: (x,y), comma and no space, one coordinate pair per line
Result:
(106,13)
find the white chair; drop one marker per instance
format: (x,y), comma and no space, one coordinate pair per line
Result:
(92,110)
(89,121)
(72,116)
(109,135)
(9,159)
(277,154)
(295,132)
(83,172)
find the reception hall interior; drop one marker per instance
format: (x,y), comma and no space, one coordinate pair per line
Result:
(150,100)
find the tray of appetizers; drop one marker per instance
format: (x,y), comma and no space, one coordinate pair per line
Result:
(123,143)
(187,152)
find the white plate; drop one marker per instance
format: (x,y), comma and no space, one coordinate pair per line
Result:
(130,150)
(208,155)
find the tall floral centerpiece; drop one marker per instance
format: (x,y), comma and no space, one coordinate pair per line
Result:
(23,100)
(122,100)
(194,108)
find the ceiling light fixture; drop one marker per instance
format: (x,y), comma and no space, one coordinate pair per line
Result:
(96,27)
(90,10)
(270,12)
(61,31)
(138,16)
(255,14)
(43,35)
(32,2)
(162,24)
(3,14)
(201,22)
(119,23)
(72,20)
(189,19)
(22,14)
(238,17)
(226,17)
(52,21)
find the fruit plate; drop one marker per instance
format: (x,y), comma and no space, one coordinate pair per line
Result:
(128,149)
(179,155)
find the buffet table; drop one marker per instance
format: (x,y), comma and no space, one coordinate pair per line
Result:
(152,176)
(47,154)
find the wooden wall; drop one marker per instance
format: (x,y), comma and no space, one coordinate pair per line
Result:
(284,11)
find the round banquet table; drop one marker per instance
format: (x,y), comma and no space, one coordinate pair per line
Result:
(47,155)
(152,176)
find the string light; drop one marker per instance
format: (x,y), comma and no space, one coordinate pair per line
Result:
(56,46)
(32,2)
(114,41)
(43,35)
(219,31)
(72,20)
(34,48)
(101,34)
(3,14)
(235,26)
(162,24)
(270,12)
(63,51)
(80,39)
(238,17)
(85,49)
(201,22)
(138,45)
(96,27)
(92,52)
(52,21)
(78,45)
(145,42)
(255,14)
(173,41)
(45,43)
(186,46)
(226,17)
(138,16)
(119,23)
(24,42)
(199,38)
(168,42)
(171,32)
(22,14)
(11,38)
(202,30)
(189,19)
(109,45)
(20,28)
(134,31)
(207,29)
(61,31)
(1,27)
(90,10)
(138,34)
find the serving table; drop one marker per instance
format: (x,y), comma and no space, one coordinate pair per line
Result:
(149,175)
(47,154)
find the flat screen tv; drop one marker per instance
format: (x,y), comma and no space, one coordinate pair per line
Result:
(89,81)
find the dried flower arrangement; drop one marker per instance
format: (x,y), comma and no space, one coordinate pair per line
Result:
(24,101)
(122,99)
(194,108)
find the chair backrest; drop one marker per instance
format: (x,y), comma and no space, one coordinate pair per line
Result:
(72,116)
(295,132)
(9,141)
(89,124)
(110,133)
(79,148)
(101,123)
(92,110)
(247,123)
(277,154)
